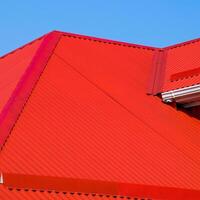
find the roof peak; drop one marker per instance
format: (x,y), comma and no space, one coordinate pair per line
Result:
(109,41)
(80,36)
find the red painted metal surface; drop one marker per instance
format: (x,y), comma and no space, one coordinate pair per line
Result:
(118,43)
(30,194)
(89,118)
(85,186)
(12,68)
(178,68)
(185,74)
(24,86)
(182,66)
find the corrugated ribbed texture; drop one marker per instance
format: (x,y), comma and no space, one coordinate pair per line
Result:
(12,67)
(100,124)
(180,59)
(125,77)
(89,118)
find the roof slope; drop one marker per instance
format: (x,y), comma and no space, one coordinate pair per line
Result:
(24,77)
(177,67)
(88,118)
(12,68)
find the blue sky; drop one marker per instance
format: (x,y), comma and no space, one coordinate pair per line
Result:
(149,22)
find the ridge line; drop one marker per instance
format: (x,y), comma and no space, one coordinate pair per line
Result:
(11,111)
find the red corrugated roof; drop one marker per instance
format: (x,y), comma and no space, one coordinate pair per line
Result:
(175,67)
(182,66)
(23,87)
(88,118)
(12,68)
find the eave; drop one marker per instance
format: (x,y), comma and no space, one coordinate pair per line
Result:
(187,96)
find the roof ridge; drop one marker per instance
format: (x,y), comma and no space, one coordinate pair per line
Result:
(181,44)
(108,41)
(21,93)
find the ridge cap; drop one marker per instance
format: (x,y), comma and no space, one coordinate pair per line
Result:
(14,106)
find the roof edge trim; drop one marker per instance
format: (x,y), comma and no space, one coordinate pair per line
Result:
(20,95)
(96,186)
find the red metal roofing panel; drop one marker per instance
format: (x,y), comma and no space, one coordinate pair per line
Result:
(12,68)
(123,73)
(24,86)
(182,66)
(84,186)
(71,113)
(89,118)
(71,129)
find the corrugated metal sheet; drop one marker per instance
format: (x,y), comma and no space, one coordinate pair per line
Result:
(24,86)
(89,118)
(183,62)
(72,127)
(125,78)
(12,67)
